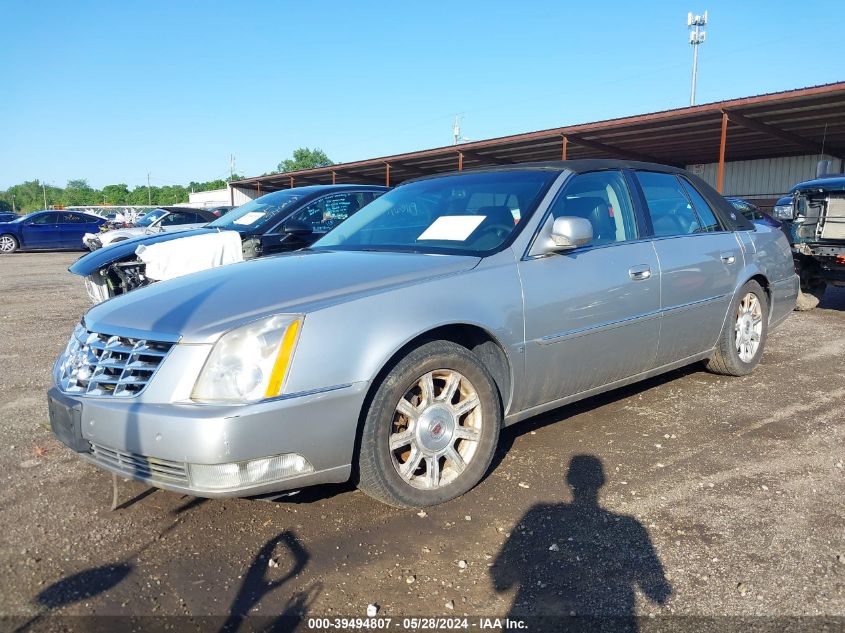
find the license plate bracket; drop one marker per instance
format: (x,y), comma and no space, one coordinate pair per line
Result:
(66,421)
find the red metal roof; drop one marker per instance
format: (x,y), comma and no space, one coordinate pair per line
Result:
(775,124)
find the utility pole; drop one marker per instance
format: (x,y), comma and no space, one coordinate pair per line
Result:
(231,167)
(696,37)
(456,131)
(149,193)
(44,191)
(14,208)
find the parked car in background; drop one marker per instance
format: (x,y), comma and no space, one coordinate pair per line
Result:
(813,219)
(274,223)
(752,212)
(398,346)
(161,220)
(55,230)
(8,217)
(218,211)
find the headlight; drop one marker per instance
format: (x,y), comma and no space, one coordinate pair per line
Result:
(782,211)
(249,363)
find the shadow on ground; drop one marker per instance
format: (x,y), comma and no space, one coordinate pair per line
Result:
(580,561)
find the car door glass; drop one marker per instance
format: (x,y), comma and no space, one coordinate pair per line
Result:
(709,223)
(71,218)
(601,197)
(670,209)
(47,218)
(329,211)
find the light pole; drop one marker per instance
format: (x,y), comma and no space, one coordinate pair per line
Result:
(696,37)
(44,191)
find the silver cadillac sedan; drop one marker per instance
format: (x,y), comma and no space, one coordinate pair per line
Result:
(396,348)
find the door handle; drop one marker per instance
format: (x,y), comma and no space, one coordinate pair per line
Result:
(640,272)
(728,258)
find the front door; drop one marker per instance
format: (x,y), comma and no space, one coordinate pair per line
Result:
(41,231)
(592,313)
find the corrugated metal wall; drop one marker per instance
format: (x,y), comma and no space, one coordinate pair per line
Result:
(242,195)
(766,177)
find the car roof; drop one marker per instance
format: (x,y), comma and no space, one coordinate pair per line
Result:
(317,189)
(577,166)
(831,182)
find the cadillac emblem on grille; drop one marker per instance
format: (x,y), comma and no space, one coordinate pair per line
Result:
(101,365)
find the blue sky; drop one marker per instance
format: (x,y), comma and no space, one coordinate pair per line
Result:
(109,91)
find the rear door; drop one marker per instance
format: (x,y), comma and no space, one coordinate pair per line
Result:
(70,229)
(41,231)
(591,313)
(700,261)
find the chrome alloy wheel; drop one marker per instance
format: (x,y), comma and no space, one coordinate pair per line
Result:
(7,244)
(436,429)
(749,327)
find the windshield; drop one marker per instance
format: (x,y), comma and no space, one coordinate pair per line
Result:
(471,214)
(151,217)
(258,214)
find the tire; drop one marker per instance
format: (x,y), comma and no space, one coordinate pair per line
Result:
(8,243)
(429,425)
(728,359)
(810,296)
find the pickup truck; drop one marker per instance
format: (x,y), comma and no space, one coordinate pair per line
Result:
(813,217)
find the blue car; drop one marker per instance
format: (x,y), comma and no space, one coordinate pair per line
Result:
(8,217)
(52,230)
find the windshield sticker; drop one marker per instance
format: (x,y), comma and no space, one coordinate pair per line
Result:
(455,228)
(250,218)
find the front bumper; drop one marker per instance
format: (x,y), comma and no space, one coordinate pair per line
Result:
(159,443)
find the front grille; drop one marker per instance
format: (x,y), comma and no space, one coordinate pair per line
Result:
(140,466)
(101,365)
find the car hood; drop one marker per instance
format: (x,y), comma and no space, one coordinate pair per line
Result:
(94,261)
(198,308)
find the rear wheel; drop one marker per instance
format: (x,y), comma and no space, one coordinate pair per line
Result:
(744,335)
(8,244)
(431,429)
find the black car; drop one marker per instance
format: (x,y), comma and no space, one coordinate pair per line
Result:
(813,218)
(274,223)
(752,212)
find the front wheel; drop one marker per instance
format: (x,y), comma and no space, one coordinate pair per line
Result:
(8,244)
(742,340)
(431,429)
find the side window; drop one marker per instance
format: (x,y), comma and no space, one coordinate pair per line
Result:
(708,219)
(47,218)
(71,218)
(670,209)
(601,197)
(176,218)
(324,214)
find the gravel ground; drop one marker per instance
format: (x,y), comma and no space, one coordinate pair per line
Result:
(698,495)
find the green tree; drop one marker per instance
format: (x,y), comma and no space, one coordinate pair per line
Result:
(79,192)
(116,194)
(305,158)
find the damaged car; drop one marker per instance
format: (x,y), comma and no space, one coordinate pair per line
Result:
(813,218)
(396,348)
(273,223)
(159,220)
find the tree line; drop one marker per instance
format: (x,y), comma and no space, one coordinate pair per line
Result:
(33,195)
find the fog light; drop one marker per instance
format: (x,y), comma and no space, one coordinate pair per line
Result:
(248,473)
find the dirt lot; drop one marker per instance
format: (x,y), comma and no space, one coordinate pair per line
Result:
(720,497)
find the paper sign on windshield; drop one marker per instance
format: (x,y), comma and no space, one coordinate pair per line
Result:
(455,228)
(250,218)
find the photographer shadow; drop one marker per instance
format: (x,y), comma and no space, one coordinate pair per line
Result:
(579,561)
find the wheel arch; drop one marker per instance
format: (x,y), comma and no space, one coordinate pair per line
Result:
(481,342)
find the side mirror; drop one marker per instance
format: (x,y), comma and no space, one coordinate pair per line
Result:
(297,228)
(570,232)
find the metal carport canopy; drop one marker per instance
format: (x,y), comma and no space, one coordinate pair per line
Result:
(801,121)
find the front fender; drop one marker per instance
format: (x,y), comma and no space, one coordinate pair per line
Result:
(351,342)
